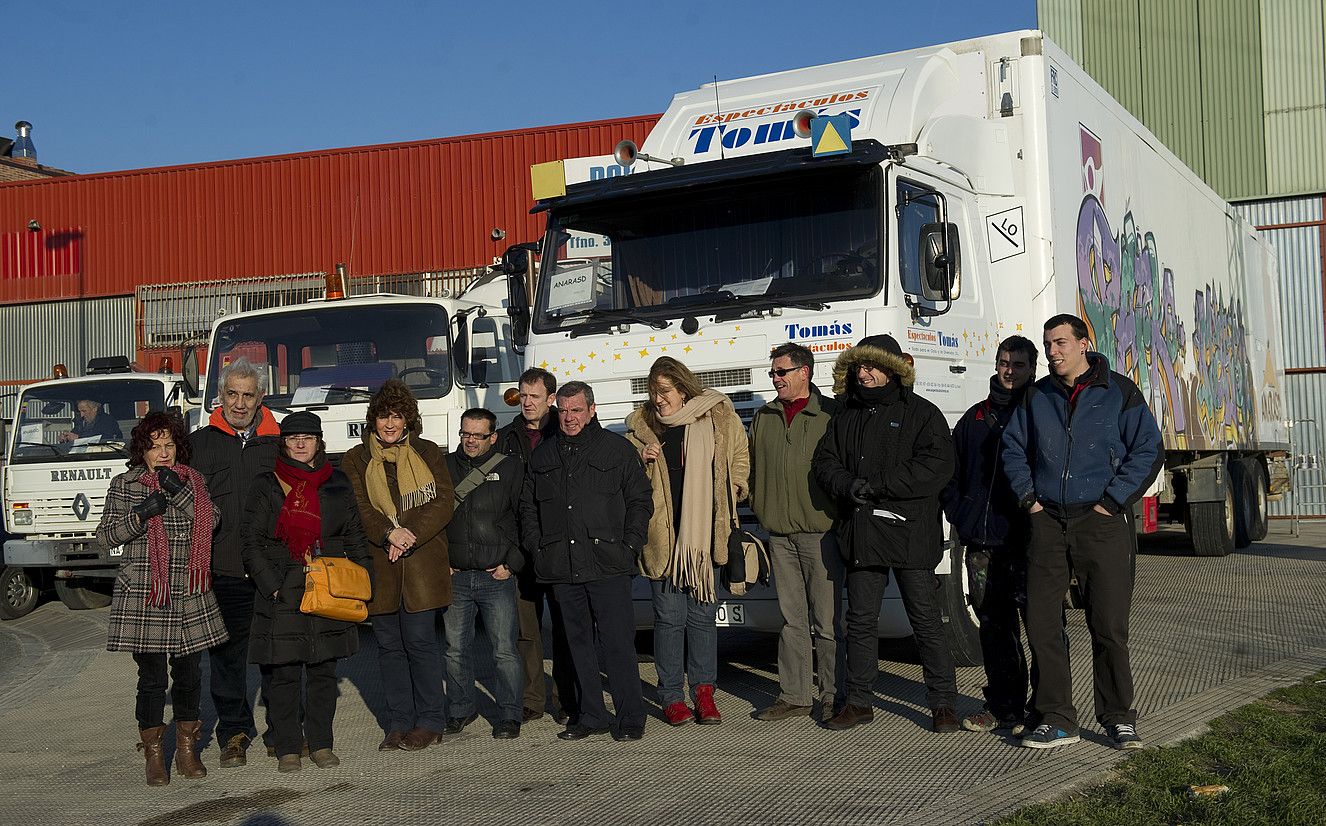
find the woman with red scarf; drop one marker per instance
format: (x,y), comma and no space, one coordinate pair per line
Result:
(163,609)
(304,508)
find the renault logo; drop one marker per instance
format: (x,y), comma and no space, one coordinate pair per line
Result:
(81,507)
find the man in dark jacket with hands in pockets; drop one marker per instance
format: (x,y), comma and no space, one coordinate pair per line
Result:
(1081,449)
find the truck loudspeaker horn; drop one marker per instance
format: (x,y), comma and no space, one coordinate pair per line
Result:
(626,152)
(801,122)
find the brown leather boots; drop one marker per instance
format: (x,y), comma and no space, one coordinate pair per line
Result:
(186,752)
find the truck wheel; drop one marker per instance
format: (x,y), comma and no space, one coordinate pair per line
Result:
(1255,499)
(1211,525)
(83,594)
(961,628)
(18,593)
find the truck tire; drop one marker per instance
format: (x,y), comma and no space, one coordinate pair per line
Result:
(18,593)
(1211,525)
(1252,525)
(961,628)
(83,594)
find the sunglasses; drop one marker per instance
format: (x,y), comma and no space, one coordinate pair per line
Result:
(782,371)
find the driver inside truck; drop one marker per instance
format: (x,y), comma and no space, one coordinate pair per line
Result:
(93,421)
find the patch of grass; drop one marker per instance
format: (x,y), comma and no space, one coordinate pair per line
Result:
(1271,754)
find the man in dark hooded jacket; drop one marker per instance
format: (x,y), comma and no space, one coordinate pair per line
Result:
(885,459)
(993,528)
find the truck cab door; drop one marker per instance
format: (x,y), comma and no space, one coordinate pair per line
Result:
(934,252)
(485,357)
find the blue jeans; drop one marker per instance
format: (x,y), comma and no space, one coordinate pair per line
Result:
(682,626)
(476,592)
(410,659)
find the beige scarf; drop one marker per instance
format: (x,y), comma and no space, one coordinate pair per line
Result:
(692,567)
(413,478)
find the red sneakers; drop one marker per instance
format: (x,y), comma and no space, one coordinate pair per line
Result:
(678,714)
(705,707)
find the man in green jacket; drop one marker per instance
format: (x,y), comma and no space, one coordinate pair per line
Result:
(798,515)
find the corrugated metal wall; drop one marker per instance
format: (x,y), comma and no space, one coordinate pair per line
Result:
(1233,87)
(426,206)
(1296,227)
(35,337)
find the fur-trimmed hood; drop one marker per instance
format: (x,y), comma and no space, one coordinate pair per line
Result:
(854,357)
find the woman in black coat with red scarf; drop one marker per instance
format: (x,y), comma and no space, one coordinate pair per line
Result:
(304,508)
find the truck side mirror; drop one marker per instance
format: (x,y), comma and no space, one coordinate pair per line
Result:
(190,372)
(516,265)
(515,261)
(941,262)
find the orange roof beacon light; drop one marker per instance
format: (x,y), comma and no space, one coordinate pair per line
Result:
(59,371)
(336,283)
(167,365)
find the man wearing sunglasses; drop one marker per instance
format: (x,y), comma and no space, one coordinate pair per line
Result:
(798,514)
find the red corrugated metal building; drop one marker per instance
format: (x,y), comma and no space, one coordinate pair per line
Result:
(424,206)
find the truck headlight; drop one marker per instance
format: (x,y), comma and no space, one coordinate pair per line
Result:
(22,516)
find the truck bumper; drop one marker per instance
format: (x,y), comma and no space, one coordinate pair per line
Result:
(84,555)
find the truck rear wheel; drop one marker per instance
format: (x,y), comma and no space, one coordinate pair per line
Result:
(1211,525)
(1249,482)
(18,593)
(82,594)
(961,628)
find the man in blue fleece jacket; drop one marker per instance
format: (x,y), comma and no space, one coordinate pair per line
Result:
(1079,451)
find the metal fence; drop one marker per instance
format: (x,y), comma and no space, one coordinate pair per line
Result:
(179,315)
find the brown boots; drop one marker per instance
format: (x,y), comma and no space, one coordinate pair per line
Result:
(186,749)
(151,749)
(186,752)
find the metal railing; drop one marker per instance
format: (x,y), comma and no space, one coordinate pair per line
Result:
(179,315)
(1307,489)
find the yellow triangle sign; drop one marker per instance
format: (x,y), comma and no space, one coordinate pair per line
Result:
(830,141)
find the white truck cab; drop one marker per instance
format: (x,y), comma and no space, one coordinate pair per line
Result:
(69,438)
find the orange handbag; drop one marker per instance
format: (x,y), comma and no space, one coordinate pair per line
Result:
(336,588)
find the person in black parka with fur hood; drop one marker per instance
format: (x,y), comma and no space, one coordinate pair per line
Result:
(305,507)
(885,459)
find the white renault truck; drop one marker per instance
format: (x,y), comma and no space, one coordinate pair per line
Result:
(330,355)
(950,196)
(69,438)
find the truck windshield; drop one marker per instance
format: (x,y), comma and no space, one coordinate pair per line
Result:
(81,420)
(326,355)
(774,241)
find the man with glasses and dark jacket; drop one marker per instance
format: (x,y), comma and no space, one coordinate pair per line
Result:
(1079,452)
(483,546)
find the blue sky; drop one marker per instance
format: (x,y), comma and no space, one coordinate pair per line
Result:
(123,85)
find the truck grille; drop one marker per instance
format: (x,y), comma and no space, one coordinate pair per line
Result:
(716,379)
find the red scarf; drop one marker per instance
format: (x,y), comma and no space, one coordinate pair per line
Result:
(200,540)
(299,525)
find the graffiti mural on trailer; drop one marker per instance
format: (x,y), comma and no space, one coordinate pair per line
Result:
(1203,393)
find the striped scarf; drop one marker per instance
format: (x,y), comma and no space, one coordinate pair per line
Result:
(200,540)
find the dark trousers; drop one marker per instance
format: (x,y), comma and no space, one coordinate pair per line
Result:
(186,687)
(998,577)
(921,600)
(229,661)
(530,597)
(316,701)
(606,606)
(1100,550)
(410,661)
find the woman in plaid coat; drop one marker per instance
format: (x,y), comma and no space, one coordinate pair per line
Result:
(162,609)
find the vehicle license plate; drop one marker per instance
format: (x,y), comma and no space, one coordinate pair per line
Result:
(730,613)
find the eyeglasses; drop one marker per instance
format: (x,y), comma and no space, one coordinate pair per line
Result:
(782,371)
(465,435)
(299,440)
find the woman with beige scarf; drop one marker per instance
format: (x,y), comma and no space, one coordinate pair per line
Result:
(405,498)
(697,459)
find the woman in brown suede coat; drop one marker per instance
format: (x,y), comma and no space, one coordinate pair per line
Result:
(405,497)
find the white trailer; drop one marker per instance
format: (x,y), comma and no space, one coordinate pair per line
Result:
(986,185)
(55,481)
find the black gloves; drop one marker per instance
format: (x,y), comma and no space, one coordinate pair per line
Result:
(154,505)
(862,493)
(170,481)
